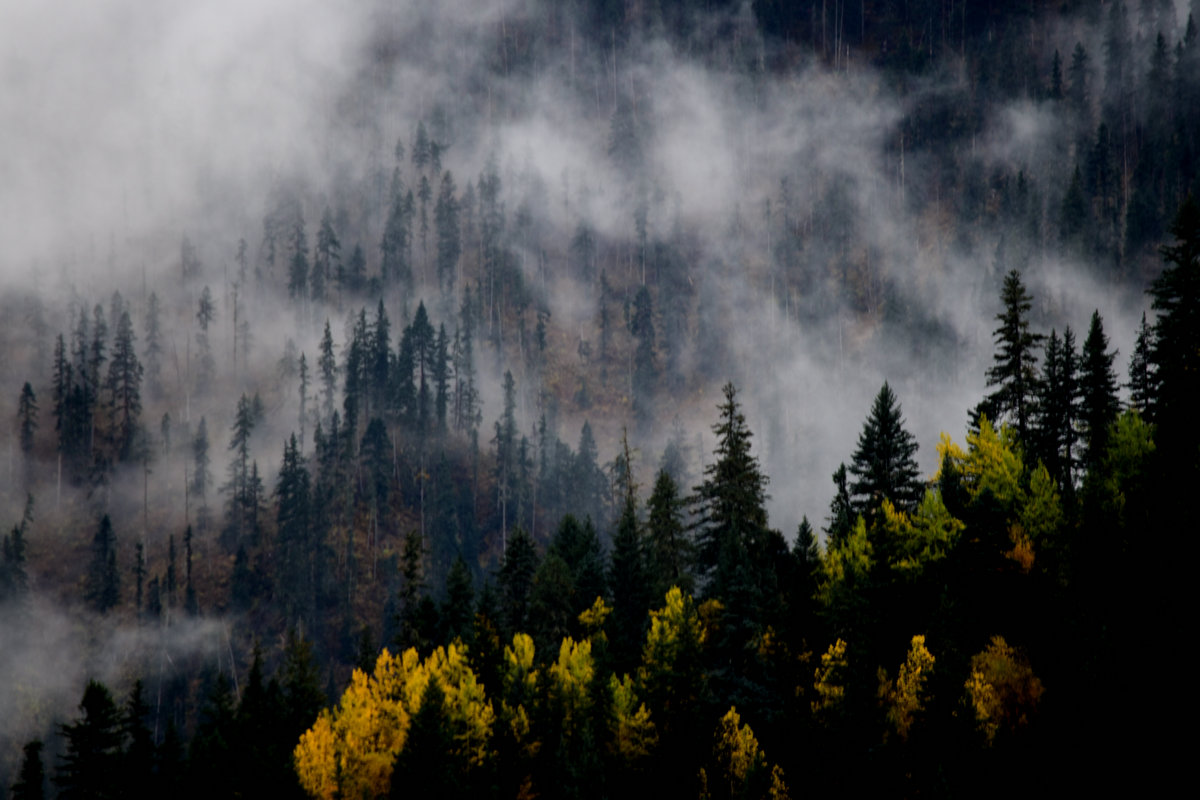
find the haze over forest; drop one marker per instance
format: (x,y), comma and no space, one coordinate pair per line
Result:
(573,223)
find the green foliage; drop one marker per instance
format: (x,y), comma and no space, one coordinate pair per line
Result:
(883,465)
(91,761)
(103,579)
(1015,361)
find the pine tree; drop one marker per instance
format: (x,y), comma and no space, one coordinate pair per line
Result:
(103,579)
(645,373)
(206,312)
(152,336)
(1055,431)
(1141,370)
(297,553)
(670,552)
(298,268)
(1098,404)
(27,423)
(327,364)
(841,511)
(1014,370)
(516,580)
(1176,343)
(31,780)
(883,465)
(91,764)
(628,576)
(327,259)
(446,229)
(201,475)
(730,503)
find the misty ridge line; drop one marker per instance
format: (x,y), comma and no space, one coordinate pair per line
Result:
(702,102)
(712,147)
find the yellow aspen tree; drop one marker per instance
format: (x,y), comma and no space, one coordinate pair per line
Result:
(1002,690)
(906,697)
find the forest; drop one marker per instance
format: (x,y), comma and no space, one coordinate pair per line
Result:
(597,398)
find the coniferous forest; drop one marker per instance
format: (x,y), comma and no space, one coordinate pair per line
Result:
(597,399)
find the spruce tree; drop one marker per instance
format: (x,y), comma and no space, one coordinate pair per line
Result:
(883,465)
(1176,343)
(1014,371)
(669,548)
(103,579)
(1141,370)
(1055,430)
(31,780)
(91,763)
(730,503)
(27,422)
(1098,404)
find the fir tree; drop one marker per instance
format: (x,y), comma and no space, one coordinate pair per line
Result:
(1141,370)
(91,764)
(1098,404)
(883,465)
(31,780)
(1014,370)
(103,579)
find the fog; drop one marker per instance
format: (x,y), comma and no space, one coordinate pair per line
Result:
(127,126)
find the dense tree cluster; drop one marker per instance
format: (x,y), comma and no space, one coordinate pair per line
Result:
(451,596)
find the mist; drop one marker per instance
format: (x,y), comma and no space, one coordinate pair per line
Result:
(130,127)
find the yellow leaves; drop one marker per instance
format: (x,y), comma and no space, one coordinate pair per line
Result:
(520,685)
(1022,549)
(992,464)
(737,749)
(592,620)
(742,763)
(350,751)
(632,731)
(845,565)
(671,628)
(571,677)
(1002,690)
(830,681)
(905,698)
(317,750)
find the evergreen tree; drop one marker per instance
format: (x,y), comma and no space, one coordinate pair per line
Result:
(628,579)
(1176,343)
(505,442)
(103,579)
(1014,370)
(1057,408)
(1141,370)
(298,552)
(516,580)
(449,241)
(124,388)
(27,423)
(201,475)
(730,503)
(327,364)
(1098,404)
(240,488)
(206,312)
(139,756)
(396,269)
(669,548)
(645,373)
(31,780)
(298,268)
(327,259)
(841,511)
(883,465)
(91,763)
